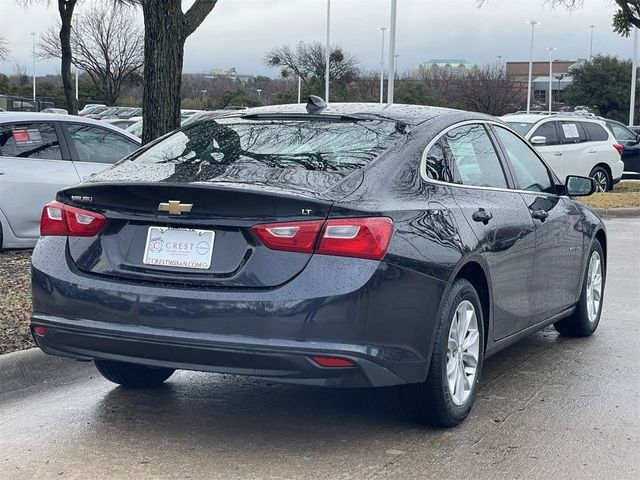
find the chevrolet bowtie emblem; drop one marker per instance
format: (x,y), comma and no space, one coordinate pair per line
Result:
(174,207)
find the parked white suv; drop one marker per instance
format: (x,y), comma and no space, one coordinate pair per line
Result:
(573,145)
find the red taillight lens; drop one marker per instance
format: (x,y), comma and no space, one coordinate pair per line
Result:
(291,236)
(356,237)
(618,147)
(346,237)
(40,330)
(64,220)
(332,362)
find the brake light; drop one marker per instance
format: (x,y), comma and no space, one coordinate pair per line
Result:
(618,147)
(64,220)
(346,237)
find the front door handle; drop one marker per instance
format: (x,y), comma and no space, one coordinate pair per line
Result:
(481,215)
(540,214)
(592,151)
(558,154)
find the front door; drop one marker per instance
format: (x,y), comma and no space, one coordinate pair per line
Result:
(559,239)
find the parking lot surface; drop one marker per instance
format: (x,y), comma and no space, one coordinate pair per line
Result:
(549,407)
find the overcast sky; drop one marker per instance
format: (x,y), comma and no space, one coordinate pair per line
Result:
(238,32)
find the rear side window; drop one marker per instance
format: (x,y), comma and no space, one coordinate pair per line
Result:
(465,155)
(596,132)
(621,133)
(572,132)
(549,132)
(32,140)
(99,145)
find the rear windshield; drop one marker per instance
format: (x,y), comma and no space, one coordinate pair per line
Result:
(521,127)
(296,144)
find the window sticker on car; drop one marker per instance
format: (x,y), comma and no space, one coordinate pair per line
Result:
(570,130)
(26,136)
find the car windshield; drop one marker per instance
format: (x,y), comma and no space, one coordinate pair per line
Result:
(521,127)
(311,154)
(310,145)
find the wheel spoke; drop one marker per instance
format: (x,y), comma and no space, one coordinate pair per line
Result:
(471,340)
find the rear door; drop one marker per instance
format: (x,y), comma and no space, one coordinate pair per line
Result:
(94,148)
(499,219)
(34,165)
(559,235)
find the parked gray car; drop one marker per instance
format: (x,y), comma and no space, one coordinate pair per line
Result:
(40,153)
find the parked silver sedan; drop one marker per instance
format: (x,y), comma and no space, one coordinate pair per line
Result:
(41,153)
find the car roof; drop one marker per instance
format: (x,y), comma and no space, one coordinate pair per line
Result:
(535,118)
(8,117)
(408,114)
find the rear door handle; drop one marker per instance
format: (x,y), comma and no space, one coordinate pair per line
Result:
(540,214)
(592,151)
(558,154)
(481,215)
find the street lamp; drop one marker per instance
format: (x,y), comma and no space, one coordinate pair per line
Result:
(533,24)
(259,90)
(33,69)
(591,43)
(328,54)
(203,92)
(551,50)
(634,71)
(392,51)
(382,29)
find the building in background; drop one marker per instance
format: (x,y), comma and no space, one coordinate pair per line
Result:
(448,65)
(561,78)
(228,73)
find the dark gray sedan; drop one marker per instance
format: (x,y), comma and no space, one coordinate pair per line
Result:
(355,245)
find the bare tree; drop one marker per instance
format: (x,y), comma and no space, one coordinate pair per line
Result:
(308,61)
(107,43)
(4,49)
(488,89)
(626,16)
(65,9)
(20,74)
(166,29)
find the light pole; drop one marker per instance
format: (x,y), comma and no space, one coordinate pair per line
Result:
(203,92)
(550,95)
(33,68)
(382,29)
(77,73)
(634,70)
(259,90)
(533,24)
(328,54)
(299,88)
(392,52)
(592,27)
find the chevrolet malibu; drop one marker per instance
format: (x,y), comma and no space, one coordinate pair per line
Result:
(350,245)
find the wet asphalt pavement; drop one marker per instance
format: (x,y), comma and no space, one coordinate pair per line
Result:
(548,407)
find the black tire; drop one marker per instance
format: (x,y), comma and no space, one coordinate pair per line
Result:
(430,402)
(131,374)
(602,178)
(579,324)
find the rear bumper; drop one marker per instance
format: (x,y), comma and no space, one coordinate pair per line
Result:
(377,315)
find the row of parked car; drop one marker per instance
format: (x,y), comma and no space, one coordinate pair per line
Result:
(41,153)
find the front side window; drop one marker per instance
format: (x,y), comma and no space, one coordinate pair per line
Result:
(30,140)
(549,132)
(528,170)
(99,145)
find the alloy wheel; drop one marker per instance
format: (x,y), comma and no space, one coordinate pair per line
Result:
(594,286)
(463,352)
(602,182)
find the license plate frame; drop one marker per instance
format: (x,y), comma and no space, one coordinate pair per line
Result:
(180,248)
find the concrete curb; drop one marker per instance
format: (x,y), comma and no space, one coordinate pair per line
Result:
(617,212)
(23,369)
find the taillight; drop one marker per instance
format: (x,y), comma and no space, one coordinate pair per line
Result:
(64,220)
(346,237)
(332,362)
(291,236)
(618,147)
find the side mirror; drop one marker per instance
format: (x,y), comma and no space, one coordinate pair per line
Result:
(576,186)
(538,140)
